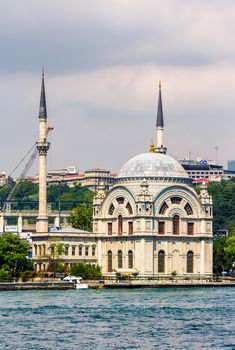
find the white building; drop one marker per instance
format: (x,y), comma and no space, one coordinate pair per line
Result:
(151,222)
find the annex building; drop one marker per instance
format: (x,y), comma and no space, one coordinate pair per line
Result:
(151,221)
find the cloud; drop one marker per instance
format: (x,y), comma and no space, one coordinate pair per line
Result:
(71,36)
(103,61)
(103,117)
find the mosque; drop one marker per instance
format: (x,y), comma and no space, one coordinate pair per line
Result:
(151,222)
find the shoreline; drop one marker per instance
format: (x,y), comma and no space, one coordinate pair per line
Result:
(113,285)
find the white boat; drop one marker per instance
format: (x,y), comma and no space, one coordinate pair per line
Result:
(76,281)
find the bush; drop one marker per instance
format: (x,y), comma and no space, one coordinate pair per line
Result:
(3,275)
(86,271)
(26,275)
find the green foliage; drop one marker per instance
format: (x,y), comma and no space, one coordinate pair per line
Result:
(86,271)
(224,253)
(56,251)
(174,273)
(69,197)
(221,259)
(13,255)
(223,194)
(4,191)
(81,217)
(26,275)
(230,244)
(3,275)
(26,189)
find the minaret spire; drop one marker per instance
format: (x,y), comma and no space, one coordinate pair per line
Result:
(42,106)
(160,121)
(42,146)
(160,148)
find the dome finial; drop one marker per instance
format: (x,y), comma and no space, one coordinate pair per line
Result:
(151,148)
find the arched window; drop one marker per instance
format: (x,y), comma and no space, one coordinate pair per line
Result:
(129,208)
(110,261)
(130,259)
(111,209)
(163,208)
(188,209)
(190,262)
(120,225)
(119,259)
(120,200)
(176,224)
(161,261)
(176,200)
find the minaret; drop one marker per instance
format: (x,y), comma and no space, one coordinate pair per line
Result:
(160,148)
(42,146)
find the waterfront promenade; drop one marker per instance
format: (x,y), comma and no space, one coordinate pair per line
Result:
(114,283)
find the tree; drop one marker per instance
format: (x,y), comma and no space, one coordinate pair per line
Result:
(86,271)
(221,259)
(13,255)
(56,251)
(27,191)
(224,253)
(230,245)
(223,194)
(81,217)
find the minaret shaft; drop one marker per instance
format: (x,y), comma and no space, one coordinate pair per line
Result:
(42,169)
(160,137)
(42,146)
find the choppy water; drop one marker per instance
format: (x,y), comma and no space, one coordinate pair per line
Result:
(118,319)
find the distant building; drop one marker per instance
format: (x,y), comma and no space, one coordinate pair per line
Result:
(92,178)
(231,165)
(203,170)
(5,179)
(63,172)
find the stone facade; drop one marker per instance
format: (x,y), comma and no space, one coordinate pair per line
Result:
(161,222)
(151,222)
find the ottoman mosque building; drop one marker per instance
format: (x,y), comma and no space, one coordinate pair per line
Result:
(151,222)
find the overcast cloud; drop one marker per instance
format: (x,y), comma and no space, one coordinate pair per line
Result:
(103,60)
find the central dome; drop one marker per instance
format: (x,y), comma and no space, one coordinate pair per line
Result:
(152,165)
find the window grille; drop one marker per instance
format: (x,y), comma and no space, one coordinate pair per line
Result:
(161,261)
(176,224)
(110,261)
(163,208)
(188,209)
(176,200)
(190,262)
(130,259)
(119,259)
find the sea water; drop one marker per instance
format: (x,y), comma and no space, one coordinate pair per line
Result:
(118,319)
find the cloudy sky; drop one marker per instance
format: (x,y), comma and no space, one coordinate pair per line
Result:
(103,60)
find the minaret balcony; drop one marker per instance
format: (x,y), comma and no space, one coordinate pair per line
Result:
(42,147)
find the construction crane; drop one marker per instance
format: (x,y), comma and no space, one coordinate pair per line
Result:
(25,170)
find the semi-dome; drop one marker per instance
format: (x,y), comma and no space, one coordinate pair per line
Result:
(155,165)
